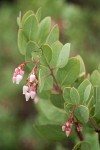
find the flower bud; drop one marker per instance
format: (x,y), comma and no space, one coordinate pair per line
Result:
(25,89)
(18,79)
(68,130)
(32,77)
(27,96)
(33,94)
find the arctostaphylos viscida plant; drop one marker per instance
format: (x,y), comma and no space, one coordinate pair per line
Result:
(68,98)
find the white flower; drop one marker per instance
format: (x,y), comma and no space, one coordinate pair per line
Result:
(18,78)
(32,77)
(25,89)
(27,96)
(33,94)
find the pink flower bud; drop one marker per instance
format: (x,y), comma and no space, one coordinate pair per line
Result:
(16,70)
(27,96)
(33,94)
(67,124)
(21,72)
(68,132)
(25,89)
(18,79)
(32,77)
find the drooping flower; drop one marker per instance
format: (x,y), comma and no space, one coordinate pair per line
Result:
(68,126)
(32,77)
(18,74)
(30,88)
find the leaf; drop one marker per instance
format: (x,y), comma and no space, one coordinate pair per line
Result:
(47,54)
(75,97)
(51,112)
(66,94)
(38,14)
(87,92)
(82,65)
(82,146)
(26,15)
(53,35)
(22,42)
(44,29)
(97,105)
(31,46)
(56,48)
(45,81)
(67,75)
(19,20)
(68,108)
(57,100)
(95,78)
(30,28)
(51,132)
(63,56)
(82,113)
(82,90)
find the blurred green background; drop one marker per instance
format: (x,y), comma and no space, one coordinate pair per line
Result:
(79,23)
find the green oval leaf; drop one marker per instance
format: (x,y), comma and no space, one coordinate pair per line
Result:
(82,146)
(87,92)
(44,29)
(97,105)
(82,65)
(47,54)
(56,48)
(82,90)
(53,35)
(30,28)
(22,42)
(26,15)
(57,100)
(63,56)
(82,113)
(51,112)
(95,78)
(66,94)
(51,132)
(75,97)
(38,14)
(67,75)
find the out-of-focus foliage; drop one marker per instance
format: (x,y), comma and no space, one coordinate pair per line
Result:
(80,25)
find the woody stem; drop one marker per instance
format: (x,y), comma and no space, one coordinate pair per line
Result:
(52,74)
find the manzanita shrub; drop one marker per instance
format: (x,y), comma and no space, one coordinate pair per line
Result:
(68,98)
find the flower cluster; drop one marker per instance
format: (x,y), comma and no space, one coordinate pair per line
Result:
(68,126)
(18,74)
(79,127)
(30,88)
